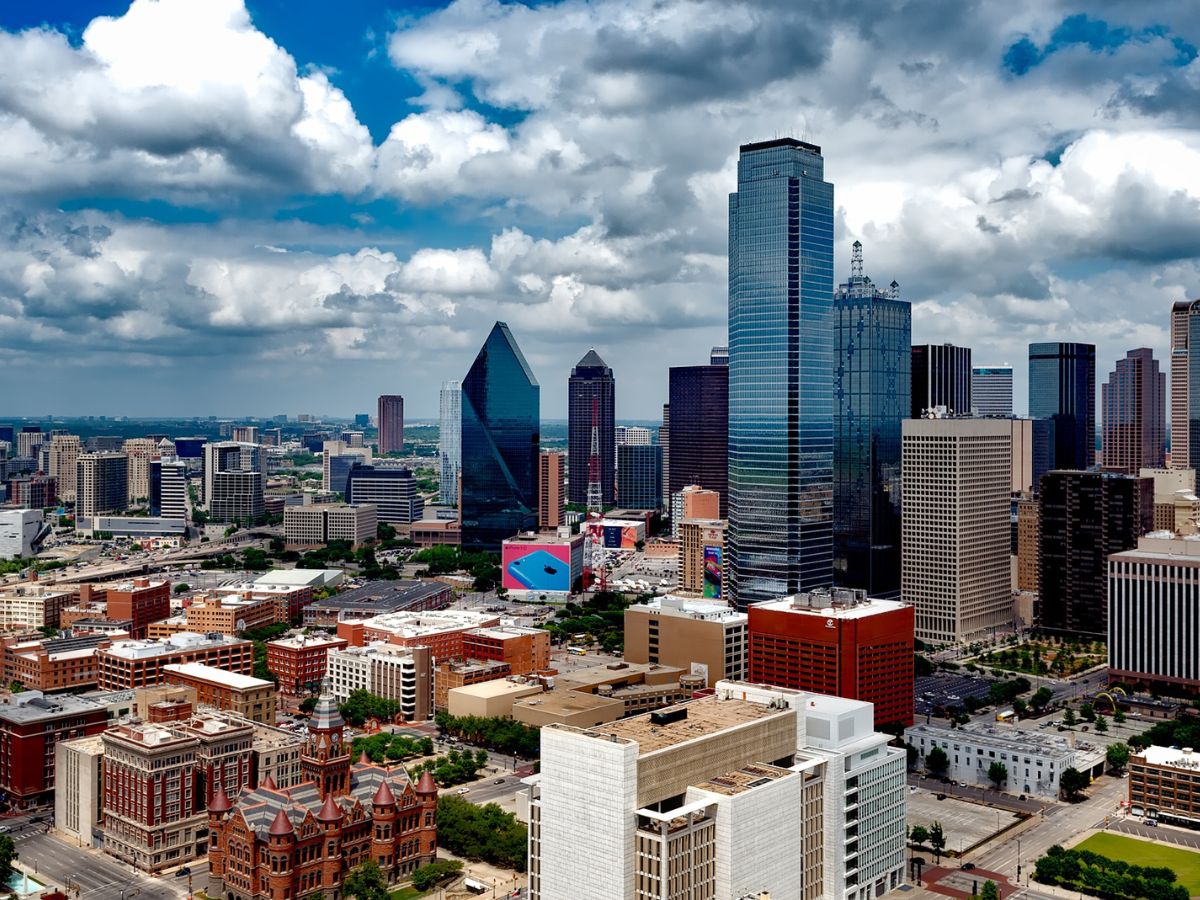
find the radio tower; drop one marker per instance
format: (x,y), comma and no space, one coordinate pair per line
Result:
(595,494)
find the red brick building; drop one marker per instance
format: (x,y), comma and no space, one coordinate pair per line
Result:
(31,725)
(133,664)
(838,643)
(299,661)
(279,844)
(141,601)
(526,650)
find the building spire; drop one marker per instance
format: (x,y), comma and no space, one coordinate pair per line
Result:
(856,260)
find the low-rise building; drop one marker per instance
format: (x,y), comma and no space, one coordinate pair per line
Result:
(79,796)
(403,674)
(31,727)
(574,708)
(706,636)
(133,664)
(320,523)
(27,606)
(526,650)
(456,673)
(377,598)
(249,697)
(1164,784)
(231,613)
(1034,760)
(442,631)
(299,661)
(491,699)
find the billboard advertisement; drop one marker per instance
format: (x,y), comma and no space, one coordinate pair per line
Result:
(620,537)
(712,572)
(529,566)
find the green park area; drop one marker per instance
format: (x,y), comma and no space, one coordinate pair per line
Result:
(1184,863)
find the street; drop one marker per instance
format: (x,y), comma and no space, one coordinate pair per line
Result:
(92,875)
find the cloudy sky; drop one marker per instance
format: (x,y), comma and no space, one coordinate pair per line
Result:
(249,207)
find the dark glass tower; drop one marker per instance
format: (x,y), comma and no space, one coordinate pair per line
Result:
(780,373)
(871,388)
(591,389)
(1062,387)
(639,476)
(500,444)
(1133,413)
(699,440)
(941,376)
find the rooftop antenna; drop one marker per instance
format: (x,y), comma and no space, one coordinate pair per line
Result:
(894,290)
(856,261)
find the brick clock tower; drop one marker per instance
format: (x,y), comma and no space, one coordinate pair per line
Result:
(325,759)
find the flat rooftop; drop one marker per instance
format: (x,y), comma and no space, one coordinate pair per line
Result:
(311,641)
(504,632)
(299,577)
(567,702)
(831,605)
(382,596)
(497,687)
(34,706)
(1006,738)
(744,779)
(1183,758)
(690,608)
(177,643)
(705,716)
(212,674)
(594,676)
(420,624)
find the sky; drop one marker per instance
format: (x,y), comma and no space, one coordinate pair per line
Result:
(253,207)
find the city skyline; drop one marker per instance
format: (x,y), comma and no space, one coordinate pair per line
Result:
(403,186)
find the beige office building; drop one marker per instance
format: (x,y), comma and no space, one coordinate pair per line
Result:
(1181,312)
(79,790)
(698,635)
(65,450)
(319,523)
(1176,505)
(140,451)
(955,556)
(1027,545)
(695,535)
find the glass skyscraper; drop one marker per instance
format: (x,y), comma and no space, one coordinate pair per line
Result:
(500,444)
(1062,387)
(639,476)
(450,441)
(698,442)
(871,389)
(591,391)
(780,373)
(941,376)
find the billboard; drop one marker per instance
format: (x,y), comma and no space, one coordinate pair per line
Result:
(620,537)
(712,572)
(527,566)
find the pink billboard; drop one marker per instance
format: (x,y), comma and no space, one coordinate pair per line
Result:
(527,566)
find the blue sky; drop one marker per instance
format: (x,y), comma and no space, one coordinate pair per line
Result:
(244,208)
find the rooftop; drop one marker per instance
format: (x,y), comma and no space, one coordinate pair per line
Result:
(298,641)
(201,672)
(687,607)
(93,745)
(1005,738)
(34,706)
(704,717)
(568,702)
(300,577)
(420,624)
(744,779)
(147,733)
(177,643)
(382,596)
(497,687)
(836,604)
(504,632)
(1179,757)
(594,676)
(543,537)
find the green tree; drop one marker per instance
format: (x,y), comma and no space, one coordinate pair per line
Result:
(1069,718)
(998,773)
(308,704)
(1118,716)
(182,588)
(427,877)
(1072,782)
(485,833)
(989,891)
(1101,724)
(366,882)
(937,839)
(1020,707)
(8,854)
(1117,757)
(1041,698)
(1088,712)
(918,835)
(937,762)
(362,705)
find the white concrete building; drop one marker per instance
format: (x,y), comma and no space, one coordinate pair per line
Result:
(79,790)
(1034,760)
(19,532)
(394,673)
(749,791)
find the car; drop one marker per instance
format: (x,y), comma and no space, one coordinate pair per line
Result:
(463,790)
(941,796)
(500,781)
(184,872)
(912,788)
(4,829)
(967,866)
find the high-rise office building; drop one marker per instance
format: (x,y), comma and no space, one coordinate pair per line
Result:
(552,494)
(168,488)
(449,441)
(390,489)
(29,439)
(699,441)
(639,476)
(632,434)
(1133,408)
(780,497)
(664,441)
(233,481)
(245,434)
(500,444)
(140,451)
(871,391)
(63,459)
(337,459)
(941,376)
(1082,518)
(992,391)
(391,424)
(591,419)
(1181,319)
(956,559)
(101,486)
(1062,387)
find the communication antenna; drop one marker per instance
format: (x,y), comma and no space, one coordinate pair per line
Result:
(856,261)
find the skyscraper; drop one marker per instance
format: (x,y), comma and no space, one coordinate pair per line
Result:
(391,424)
(500,444)
(992,391)
(1133,408)
(1062,387)
(552,497)
(699,439)
(450,441)
(1083,517)
(639,476)
(1181,316)
(871,397)
(941,376)
(780,373)
(591,405)
(101,486)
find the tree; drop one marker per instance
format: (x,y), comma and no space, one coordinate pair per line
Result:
(937,840)
(914,755)
(362,705)
(486,832)
(1069,718)
(1041,698)
(998,773)
(366,882)
(937,762)
(427,877)
(1118,716)
(1117,757)
(1101,724)
(1072,782)
(182,588)
(8,853)
(918,835)
(1088,712)
(1020,707)
(990,891)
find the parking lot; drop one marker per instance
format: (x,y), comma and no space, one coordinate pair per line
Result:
(933,694)
(965,824)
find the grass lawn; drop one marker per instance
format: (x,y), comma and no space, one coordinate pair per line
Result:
(1185,863)
(408,893)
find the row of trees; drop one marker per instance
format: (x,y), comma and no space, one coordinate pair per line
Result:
(504,735)
(933,837)
(384,747)
(484,833)
(362,705)
(1111,879)
(456,767)
(484,568)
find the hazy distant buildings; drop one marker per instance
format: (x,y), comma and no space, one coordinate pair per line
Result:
(337,459)
(449,441)
(871,397)
(781,341)
(1062,387)
(140,452)
(500,444)
(391,424)
(1134,414)
(941,376)
(956,567)
(992,391)
(62,464)
(591,419)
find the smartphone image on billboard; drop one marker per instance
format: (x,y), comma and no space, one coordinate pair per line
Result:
(541,571)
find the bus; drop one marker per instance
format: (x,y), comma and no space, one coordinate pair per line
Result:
(577,651)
